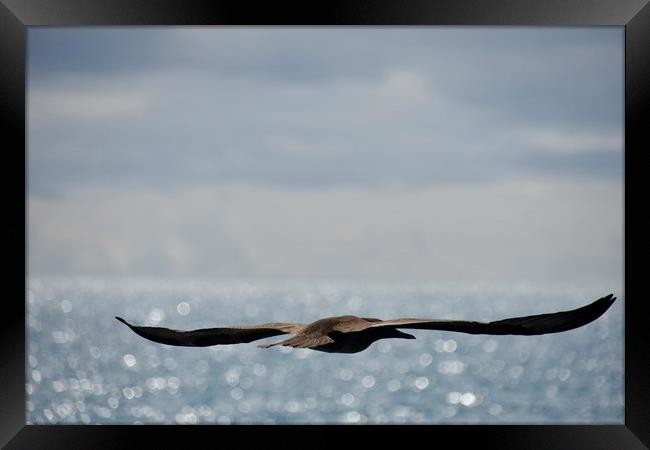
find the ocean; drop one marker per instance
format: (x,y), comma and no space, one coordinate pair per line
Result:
(84,367)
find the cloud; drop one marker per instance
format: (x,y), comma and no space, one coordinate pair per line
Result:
(437,153)
(516,232)
(66,106)
(160,130)
(573,142)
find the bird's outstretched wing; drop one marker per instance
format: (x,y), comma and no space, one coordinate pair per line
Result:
(213,336)
(529,325)
(301,342)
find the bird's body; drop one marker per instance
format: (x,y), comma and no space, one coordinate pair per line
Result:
(351,334)
(340,334)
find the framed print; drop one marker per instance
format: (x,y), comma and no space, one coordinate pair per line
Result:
(448,189)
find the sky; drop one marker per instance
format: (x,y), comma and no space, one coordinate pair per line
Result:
(418,154)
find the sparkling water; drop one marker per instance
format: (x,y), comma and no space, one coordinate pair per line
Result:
(85,367)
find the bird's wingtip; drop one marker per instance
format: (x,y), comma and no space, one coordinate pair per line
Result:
(604,303)
(121,320)
(607,299)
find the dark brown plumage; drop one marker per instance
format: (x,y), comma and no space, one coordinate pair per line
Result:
(351,334)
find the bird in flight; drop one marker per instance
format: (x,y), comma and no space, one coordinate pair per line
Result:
(351,334)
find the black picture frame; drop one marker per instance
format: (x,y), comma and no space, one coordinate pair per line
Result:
(17,15)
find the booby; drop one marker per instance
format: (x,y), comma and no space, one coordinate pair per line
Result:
(351,334)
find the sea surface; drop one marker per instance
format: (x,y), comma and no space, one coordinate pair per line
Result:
(85,367)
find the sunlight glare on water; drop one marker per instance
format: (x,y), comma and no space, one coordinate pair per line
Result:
(84,367)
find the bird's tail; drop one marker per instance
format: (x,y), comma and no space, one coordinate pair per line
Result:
(273,344)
